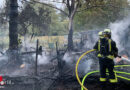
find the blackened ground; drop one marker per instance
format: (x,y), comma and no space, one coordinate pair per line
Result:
(91,82)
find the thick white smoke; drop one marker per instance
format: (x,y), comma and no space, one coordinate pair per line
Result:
(27,45)
(2,3)
(86,65)
(42,59)
(68,57)
(118,30)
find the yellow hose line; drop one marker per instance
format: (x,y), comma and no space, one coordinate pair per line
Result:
(122,72)
(128,79)
(76,68)
(86,77)
(122,66)
(98,71)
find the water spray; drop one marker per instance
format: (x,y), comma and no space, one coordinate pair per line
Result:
(125,59)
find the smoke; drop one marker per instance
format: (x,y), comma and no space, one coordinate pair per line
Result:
(2,3)
(26,67)
(119,34)
(68,57)
(23,70)
(119,31)
(92,37)
(28,59)
(85,65)
(42,59)
(27,45)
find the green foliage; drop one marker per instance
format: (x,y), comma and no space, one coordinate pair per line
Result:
(100,14)
(41,20)
(34,19)
(58,27)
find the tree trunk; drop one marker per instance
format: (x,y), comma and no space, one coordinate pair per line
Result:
(72,11)
(70,35)
(13,35)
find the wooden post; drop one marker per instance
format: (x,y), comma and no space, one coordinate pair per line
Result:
(59,60)
(36,57)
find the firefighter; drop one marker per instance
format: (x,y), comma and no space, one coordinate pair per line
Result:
(107,33)
(107,51)
(100,34)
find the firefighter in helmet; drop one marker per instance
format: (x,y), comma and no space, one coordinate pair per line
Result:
(107,51)
(100,34)
(107,33)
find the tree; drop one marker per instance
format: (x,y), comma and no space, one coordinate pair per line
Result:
(13,35)
(35,19)
(74,6)
(99,17)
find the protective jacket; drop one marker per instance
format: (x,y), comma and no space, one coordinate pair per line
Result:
(106,48)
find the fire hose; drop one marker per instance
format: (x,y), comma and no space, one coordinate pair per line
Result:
(115,72)
(82,83)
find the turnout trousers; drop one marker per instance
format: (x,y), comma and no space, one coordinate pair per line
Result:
(107,64)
